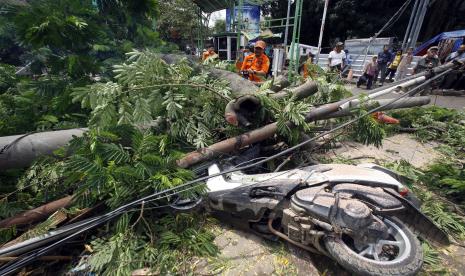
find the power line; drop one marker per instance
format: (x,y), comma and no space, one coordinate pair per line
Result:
(19,263)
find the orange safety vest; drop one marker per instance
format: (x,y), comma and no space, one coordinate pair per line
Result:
(207,54)
(255,63)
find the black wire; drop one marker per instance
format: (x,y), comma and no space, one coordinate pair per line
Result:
(391,21)
(19,263)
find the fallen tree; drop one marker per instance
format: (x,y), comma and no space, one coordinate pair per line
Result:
(118,164)
(30,146)
(321,113)
(244,108)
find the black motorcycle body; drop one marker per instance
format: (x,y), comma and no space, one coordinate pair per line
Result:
(361,216)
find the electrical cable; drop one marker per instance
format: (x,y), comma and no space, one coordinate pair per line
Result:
(19,263)
(388,24)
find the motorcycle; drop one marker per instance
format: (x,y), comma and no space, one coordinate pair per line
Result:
(361,216)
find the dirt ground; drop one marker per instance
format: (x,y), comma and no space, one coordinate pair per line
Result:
(394,148)
(244,253)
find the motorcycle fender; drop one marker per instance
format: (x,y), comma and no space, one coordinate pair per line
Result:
(422,225)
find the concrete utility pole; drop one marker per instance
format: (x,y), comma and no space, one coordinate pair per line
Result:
(323,21)
(409,26)
(286,32)
(421,17)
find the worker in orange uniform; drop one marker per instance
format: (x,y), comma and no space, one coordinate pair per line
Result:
(209,52)
(306,66)
(256,65)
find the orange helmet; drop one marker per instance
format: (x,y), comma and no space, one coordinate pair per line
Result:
(260,44)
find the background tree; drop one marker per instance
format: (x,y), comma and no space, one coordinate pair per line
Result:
(178,22)
(361,19)
(220,26)
(443,16)
(61,45)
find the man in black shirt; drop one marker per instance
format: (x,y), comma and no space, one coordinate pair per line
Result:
(384,58)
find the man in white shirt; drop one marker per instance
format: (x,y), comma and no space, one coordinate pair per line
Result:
(336,58)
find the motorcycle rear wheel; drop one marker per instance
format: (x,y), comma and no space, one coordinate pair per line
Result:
(376,258)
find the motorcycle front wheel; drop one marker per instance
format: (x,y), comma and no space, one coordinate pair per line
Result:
(399,254)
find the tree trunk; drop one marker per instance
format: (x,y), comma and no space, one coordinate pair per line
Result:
(239,86)
(323,112)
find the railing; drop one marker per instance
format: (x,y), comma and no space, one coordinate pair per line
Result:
(357,65)
(281,23)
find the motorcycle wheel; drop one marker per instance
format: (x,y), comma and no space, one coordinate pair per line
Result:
(400,254)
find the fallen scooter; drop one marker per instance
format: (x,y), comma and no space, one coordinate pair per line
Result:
(361,216)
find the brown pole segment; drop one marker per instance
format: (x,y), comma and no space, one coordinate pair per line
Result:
(37,214)
(228,145)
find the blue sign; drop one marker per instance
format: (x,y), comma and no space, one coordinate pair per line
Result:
(250,19)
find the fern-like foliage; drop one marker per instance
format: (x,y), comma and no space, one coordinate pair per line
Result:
(118,168)
(115,166)
(146,87)
(450,222)
(174,242)
(329,91)
(367,130)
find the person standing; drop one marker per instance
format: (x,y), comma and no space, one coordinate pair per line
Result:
(384,58)
(369,73)
(257,64)
(347,64)
(457,55)
(348,60)
(429,61)
(392,68)
(404,64)
(336,58)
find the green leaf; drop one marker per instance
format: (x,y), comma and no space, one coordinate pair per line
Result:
(142,114)
(82,164)
(50,118)
(115,153)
